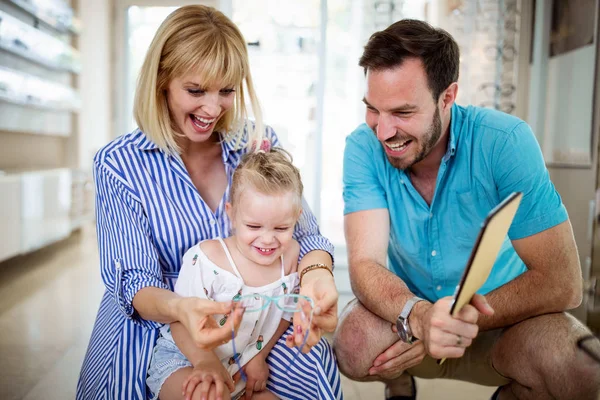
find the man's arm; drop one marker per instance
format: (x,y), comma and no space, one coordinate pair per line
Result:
(378,289)
(553,282)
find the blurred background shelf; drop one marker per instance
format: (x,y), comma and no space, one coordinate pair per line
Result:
(29,42)
(53,13)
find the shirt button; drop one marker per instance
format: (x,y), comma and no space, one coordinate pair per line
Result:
(212,222)
(433,253)
(430,215)
(402,181)
(438,287)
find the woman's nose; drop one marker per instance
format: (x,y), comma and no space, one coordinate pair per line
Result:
(211,105)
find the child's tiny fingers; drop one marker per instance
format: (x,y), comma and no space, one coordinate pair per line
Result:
(219,389)
(191,385)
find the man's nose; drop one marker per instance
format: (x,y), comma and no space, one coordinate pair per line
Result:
(385,129)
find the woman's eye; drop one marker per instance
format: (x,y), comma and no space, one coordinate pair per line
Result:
(195,92)
(227,91)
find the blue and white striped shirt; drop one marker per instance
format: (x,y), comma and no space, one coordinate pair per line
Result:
(148,214)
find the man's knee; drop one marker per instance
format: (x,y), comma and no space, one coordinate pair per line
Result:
(359,338)
(556,367)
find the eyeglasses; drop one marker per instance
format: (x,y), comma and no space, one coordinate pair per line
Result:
(290,303)
(591,346)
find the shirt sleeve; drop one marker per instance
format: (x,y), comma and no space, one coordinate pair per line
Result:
(128,258)
(519,166)
(306,231)
(362,185)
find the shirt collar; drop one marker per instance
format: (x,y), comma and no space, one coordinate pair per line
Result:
(228,144)
(456,117)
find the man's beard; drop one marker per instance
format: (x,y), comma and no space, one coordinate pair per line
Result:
(426,143)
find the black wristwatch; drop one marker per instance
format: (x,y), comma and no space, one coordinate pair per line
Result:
(402,325)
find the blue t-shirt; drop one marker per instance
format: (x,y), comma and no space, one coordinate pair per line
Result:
(490,155)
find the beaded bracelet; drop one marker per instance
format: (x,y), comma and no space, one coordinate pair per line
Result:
(313,267)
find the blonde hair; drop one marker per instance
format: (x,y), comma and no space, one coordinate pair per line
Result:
(200,40)
(269,173)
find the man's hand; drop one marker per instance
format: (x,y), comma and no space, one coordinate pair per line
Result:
(397,358)
(443,335)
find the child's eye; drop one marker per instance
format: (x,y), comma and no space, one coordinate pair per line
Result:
(252,226)
(282,229)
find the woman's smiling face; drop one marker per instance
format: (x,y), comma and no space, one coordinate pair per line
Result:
(196,109)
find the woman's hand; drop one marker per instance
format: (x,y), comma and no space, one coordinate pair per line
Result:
(319,285)
(208,377)
(197,316)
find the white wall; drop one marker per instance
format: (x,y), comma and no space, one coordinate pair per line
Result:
(94,82)
(569,101)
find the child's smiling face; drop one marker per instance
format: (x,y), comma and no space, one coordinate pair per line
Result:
(263,224)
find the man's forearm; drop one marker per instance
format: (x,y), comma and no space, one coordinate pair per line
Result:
(391,293)
(529,295)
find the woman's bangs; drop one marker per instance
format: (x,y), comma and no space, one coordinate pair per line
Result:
(218,66)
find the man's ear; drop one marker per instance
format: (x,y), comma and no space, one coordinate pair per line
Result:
(448,97)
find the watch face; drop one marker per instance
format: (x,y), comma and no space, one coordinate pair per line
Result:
(401,331)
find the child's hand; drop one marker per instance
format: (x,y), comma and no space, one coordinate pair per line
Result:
(208,375)
(257,372)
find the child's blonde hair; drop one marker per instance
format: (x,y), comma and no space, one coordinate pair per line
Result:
(269,173)
(198,40)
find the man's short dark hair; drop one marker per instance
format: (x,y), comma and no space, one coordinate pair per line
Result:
(409,38)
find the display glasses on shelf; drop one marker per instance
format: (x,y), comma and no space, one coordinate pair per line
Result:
(28,90)
(35,45)
(54,13)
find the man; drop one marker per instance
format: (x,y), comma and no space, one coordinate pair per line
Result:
(419,179)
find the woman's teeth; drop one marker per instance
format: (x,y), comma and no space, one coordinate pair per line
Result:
(200,122)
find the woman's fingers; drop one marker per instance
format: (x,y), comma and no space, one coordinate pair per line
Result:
(209,307)
(235,319)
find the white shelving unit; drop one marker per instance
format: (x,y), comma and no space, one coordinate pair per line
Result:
(44,195)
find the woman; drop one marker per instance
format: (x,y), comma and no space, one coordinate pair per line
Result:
(163,187)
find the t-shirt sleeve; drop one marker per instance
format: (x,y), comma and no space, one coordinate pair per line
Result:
(190,282)
(518,166)
(362,183)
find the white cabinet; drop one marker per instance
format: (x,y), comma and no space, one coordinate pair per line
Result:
(45,207)
(10,216)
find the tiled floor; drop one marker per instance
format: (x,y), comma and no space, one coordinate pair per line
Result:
(48,302)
